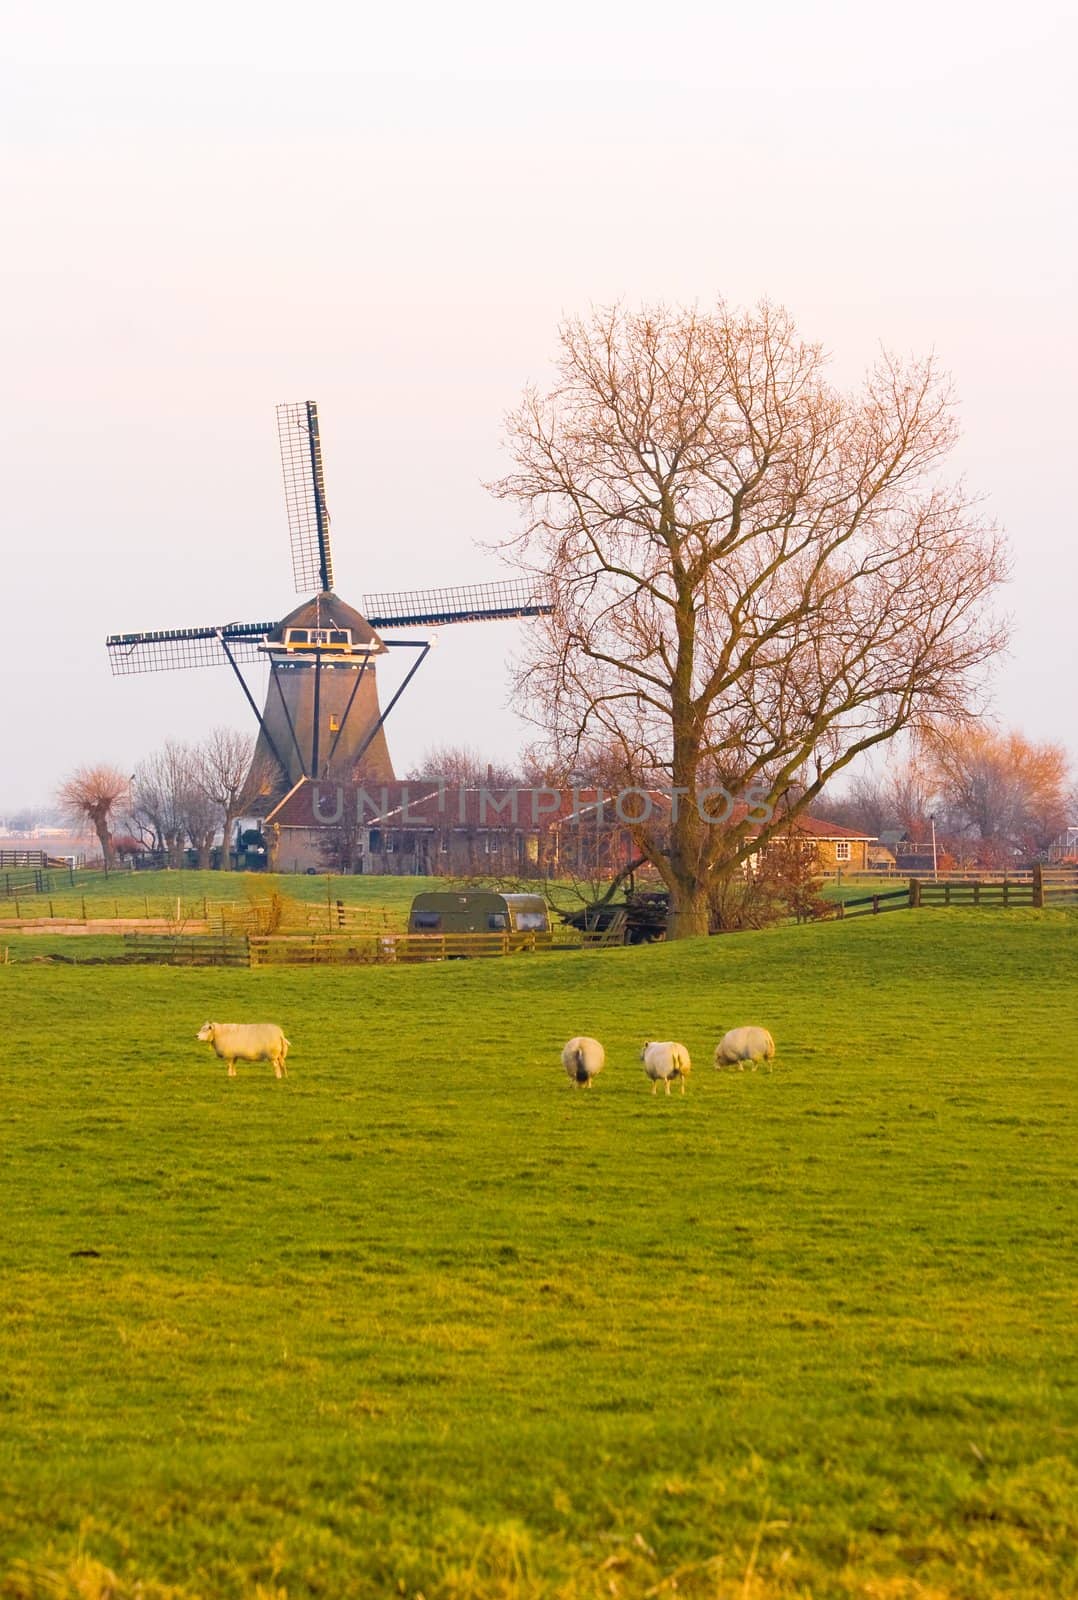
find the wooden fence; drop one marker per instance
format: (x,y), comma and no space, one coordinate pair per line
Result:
(30,881)
(973,892)
(24,858)
(1043,886)
(173,950)
(871,905)
(322,949)
(280,916)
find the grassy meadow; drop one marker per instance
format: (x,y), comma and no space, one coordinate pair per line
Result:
(153,894)
(98,895)
(423,1320)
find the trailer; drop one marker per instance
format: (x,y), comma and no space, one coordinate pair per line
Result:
(478,911)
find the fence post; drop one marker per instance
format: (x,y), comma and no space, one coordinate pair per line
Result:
(977,893)
(1038,885)
(915,893)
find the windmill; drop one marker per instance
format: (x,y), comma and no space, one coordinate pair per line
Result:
(321,717)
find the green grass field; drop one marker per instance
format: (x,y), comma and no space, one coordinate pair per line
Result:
(136,894)
(424,1320)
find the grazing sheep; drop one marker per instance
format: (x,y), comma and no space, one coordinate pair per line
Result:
(247,1041)
(583,1059)
(664,1061)
(744,1044)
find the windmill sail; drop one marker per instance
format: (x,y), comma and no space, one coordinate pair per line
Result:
(305,496)
(320,717)
(477,602)
(166,650)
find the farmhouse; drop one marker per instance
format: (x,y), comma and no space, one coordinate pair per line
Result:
(421,827)
(837,849)
(427,828)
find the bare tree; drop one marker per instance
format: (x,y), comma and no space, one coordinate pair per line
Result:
(999,788)
(227,777)
(754,577)
(866,805)
(93,795)
(201,815)
(913,798)
(160,799)
(463,766)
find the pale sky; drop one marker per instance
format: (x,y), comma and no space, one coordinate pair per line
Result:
(210,209)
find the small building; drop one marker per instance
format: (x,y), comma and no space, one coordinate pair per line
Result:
(478,911)
(1065,848)
(837,849)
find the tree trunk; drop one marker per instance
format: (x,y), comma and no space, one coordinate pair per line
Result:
(689,913)
(104,836)
(226,843)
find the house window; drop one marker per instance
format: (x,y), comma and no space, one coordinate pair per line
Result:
(842,849)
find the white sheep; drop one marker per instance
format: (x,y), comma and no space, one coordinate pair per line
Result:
(744,1044)
(583,1059)
(247,1041)
(666,1060)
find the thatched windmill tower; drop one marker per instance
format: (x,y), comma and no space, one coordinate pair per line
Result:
(321,717)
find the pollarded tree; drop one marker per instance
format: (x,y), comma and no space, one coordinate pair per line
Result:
(754,576)
(93,795)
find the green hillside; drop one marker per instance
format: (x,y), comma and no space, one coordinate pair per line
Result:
(424,1319)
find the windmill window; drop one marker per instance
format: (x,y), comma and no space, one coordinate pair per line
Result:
(296,636)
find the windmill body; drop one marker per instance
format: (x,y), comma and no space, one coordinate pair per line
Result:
(321,717)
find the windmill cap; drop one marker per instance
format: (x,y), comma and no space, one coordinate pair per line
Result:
(328,610)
